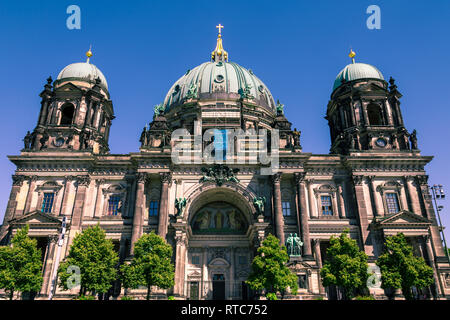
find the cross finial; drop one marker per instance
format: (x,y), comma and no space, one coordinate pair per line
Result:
(220,28)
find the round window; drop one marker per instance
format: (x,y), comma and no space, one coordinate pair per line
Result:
(381,142)
(59,142)
(219,78)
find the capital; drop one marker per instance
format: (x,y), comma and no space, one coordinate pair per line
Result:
(17,180)
(299,177)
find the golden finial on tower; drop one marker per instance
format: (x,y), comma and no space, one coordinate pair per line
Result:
(89,54)
(219,54)
(352,55)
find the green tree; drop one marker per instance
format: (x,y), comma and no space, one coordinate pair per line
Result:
(346,266)
(96,259)
(21,265)
(400,269)
(269,269)
(151,264)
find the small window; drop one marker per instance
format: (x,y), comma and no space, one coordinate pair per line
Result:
(286,206)
(302,281)
(153,211)
(67,111)
(196,260)
(327,209)
(374,114)
(47,203)
(392,203)
(113,205)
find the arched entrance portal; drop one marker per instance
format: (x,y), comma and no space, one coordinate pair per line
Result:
(220,244)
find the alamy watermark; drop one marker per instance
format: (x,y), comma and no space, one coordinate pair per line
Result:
(229,146)
(74,20)
(374,20)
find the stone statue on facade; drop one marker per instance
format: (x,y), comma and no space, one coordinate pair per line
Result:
(159,109)
(192,91)
(180,204)
(259,204)
(280,108)
(413,139)
(27,141)
(296,136)
(44,140)
(245,92)
(293,245)
(219,173)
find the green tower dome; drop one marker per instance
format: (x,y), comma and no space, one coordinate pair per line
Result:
(356,71)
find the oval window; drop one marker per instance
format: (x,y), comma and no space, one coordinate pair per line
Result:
(219,78)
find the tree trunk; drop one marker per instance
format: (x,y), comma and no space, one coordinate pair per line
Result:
(407,293)
(148,291)
(11,295)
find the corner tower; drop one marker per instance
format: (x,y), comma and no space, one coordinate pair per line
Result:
(364,113)
(76,112)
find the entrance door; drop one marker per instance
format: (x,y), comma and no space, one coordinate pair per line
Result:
(218,287)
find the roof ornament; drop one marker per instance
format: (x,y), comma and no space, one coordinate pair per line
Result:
(352,55)
(219,54)
(89,54)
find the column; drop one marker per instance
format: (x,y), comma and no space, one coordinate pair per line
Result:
(408,194)
(127,200)
(67,187)
(180,263)
(48,264)
(304,225)
(362,214)
(341,200)
(312,212)
(373,199)
(138,218)
(438,284)
(80,198)
(279,222)
(427,205)
(98,199)
(31,188)
(12,204)
(319,263)
(166,180)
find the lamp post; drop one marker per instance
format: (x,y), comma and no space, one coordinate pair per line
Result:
(438,194)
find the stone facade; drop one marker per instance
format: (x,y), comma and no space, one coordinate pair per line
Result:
(372,183)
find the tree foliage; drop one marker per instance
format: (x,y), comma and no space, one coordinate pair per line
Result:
(94,255)
(269,270)
(21,264)
(346,266)
(150,266)
(400,269)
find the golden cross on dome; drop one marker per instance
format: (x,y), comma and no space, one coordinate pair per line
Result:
(220,28)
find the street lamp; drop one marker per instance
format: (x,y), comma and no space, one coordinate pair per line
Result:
(438,193)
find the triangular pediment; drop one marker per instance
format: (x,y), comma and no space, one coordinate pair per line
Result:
(195,274)
(36,218)
(67,87)
(402,218)
(371,87)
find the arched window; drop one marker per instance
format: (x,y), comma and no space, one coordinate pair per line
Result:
(67,111)
(374,113)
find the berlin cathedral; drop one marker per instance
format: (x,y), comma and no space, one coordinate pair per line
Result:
(215,215)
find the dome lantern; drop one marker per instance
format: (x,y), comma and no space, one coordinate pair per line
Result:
(219,54)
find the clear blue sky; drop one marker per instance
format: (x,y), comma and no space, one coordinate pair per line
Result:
(296,47)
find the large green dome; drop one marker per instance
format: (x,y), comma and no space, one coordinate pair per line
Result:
(356,71)
(218,81)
